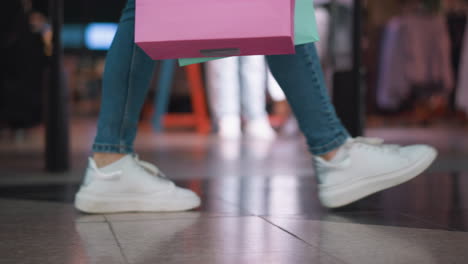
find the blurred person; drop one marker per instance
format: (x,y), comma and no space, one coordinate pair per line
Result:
(456,15)
(347,169)
(22,69)
(462,86)
(41,26)
(237,84)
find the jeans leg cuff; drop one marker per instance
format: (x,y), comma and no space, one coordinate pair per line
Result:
(334,144)
(109,148)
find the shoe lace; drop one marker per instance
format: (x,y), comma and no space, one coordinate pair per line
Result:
(150,167)
(374,144)
(140,165)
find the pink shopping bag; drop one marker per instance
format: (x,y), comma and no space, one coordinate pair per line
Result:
(172,29)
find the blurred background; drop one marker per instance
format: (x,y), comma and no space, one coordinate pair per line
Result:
(396,69)
(391,66)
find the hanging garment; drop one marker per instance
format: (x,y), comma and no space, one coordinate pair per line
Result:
(21,70)
(456,22)
(393,87)
(415,52)
(462,87)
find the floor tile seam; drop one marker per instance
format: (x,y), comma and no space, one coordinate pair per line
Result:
(236,205)
(424,220)
(286,216)
(393,226)
(322,213)
(419,219)
(171,219)
(122,253)
(328,254)
(90,222)
(186,256)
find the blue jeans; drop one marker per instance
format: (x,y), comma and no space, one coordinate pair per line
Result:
(129,70)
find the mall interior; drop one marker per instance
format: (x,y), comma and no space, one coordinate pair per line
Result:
(394,70)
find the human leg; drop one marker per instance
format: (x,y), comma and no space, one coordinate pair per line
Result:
(301,78)
(126,79)
(253,84)
(224,94)
(116,180)
(347,169)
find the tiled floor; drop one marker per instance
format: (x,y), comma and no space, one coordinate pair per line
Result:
(259,206)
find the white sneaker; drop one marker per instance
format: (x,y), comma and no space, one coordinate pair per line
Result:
(229,128)
(260,129)
(364,166)
(291,127)
(131,185)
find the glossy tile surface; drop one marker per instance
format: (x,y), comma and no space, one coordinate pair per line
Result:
(99,244)
(212,240)
(259,206)
(357,243)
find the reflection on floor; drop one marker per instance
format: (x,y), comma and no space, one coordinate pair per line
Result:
(260,206)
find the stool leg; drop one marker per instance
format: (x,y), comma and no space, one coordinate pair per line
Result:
(198,96)
(163,92)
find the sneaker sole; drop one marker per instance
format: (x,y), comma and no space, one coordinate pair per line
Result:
(344,194)
(90,203)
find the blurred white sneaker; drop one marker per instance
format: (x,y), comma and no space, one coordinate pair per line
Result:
(131,185)
(229,128)
(260,129)
(364,166)
(291,127)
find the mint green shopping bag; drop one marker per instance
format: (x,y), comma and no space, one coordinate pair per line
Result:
(305,29)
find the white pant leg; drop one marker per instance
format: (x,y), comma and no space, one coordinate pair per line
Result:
(224,87)
(462,88)
(253,84)
(274,88)
(323,25)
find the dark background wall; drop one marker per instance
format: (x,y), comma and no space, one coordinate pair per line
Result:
(84,11)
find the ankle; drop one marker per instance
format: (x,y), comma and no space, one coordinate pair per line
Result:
(104,159)
(330,155)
